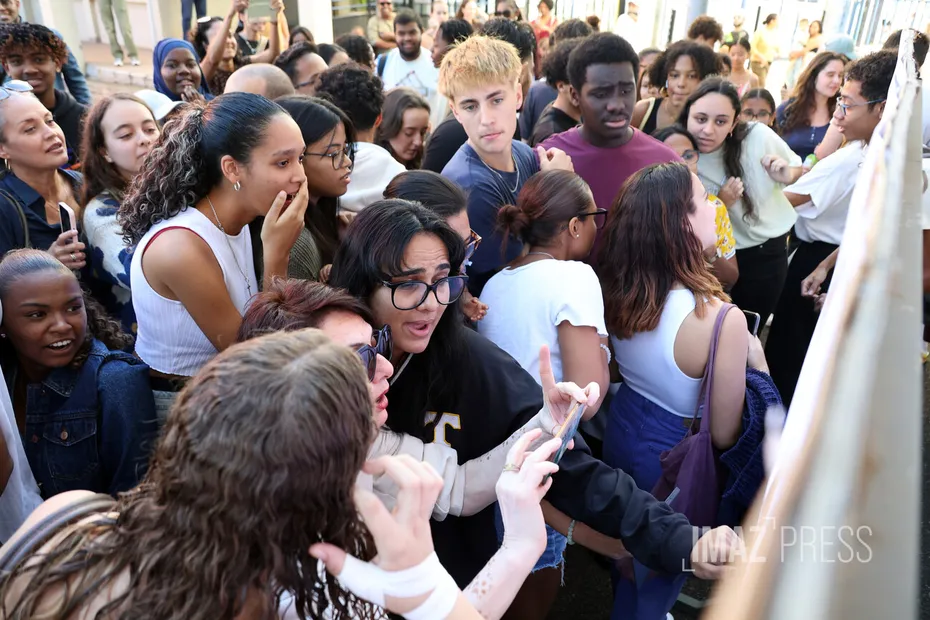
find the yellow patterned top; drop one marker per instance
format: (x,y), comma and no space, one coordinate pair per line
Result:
(726,244)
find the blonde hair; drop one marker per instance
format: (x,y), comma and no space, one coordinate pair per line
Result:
(478,61)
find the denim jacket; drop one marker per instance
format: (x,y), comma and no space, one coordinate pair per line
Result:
(92,428)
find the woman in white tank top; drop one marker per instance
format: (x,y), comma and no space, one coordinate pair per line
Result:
(217,168)
(661,301)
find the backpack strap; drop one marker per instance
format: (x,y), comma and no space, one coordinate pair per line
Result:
(41,532)
(22,215)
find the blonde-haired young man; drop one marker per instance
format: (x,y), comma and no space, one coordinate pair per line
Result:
(481,79)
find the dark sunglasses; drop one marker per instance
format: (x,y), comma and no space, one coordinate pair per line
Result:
(600,217)
(13,87)
(504,13)
(384,346)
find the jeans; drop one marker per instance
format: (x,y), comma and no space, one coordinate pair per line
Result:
(638,431)
(107,9)
(555,544)
(186,6)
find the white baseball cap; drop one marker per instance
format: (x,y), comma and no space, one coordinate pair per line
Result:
(160,104)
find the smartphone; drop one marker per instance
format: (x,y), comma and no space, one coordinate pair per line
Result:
(752,320)
(567,431)
(260,9)
(68,221)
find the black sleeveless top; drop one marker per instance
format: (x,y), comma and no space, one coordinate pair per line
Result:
(652,121)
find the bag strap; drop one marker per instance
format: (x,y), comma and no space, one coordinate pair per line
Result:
(707,382)
(22,215)
(382,61)
(35,537)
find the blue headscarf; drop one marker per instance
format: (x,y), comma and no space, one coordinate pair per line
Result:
(162,49)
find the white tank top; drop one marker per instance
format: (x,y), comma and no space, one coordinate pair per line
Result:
(647,360)
(168,339)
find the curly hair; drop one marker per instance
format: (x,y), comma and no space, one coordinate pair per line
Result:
(358,48)
(23,37)
(99,174)
(799,109)
(706,27)
(453,31)
(555,65)
(649,247)
(874,73)
(355,91)
(219,512)
(570,29)
(18,265)
(185,165)
(703,58)
(732,145)
(600,48)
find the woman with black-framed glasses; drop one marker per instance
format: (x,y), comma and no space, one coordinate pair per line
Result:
(447,200)
(327,160)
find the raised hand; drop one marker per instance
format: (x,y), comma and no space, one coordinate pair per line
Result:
(559,397)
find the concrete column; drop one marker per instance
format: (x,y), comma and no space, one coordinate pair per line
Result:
(317,15)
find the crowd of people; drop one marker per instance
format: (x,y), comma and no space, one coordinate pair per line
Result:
(329,303)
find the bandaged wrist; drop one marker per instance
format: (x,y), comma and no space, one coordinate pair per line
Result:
(373,583)
(440,602)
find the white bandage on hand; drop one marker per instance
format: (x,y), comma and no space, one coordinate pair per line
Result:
(374,584)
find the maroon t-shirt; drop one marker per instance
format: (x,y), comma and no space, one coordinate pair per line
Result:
(606,170)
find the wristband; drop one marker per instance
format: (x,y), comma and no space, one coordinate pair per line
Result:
(440,602)
(571,529)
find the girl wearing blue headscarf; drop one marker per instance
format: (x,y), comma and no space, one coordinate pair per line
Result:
(177,71)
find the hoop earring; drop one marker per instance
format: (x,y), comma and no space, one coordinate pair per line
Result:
(237,186)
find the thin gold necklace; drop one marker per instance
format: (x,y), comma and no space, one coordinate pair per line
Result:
(248,285)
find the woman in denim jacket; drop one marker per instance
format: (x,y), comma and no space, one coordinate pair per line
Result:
(84,407)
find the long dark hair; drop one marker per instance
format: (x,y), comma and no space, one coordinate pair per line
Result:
(373,252)
(185,165)
(15,269)
(432,190)
(227,504)
(732,145)
(396,102)
(318,118)
(545,206)
(799,109)
(99,174)
(649,247)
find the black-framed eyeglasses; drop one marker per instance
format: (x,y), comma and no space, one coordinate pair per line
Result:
(384,346)
(762,115)
(471,244)
(13,87)
(412,293)
(691,155)
(600,217)
(845,106)
(338,158)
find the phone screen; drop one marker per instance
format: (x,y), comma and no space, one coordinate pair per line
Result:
(66,214)
(752,320)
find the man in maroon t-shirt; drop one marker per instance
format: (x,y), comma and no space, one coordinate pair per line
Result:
(605,150)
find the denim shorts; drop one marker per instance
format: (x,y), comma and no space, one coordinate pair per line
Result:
(555,544)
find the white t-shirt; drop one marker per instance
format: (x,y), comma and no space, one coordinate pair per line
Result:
(823,217)
(420,74)
(527,304)
(372,170)
(775,215)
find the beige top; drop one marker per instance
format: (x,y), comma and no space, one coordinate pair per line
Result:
(765,45)
(377,25)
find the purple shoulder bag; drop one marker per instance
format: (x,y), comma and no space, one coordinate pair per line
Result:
(691,481)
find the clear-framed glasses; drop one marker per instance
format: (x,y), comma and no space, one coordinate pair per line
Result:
(13,87)
(471,245)
(383,346)
(841,104)
(338,158)
(412,293)
(762,116)
(600,217)
(690,156)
